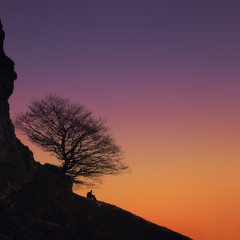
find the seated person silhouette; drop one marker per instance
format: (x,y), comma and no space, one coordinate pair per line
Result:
(91,196)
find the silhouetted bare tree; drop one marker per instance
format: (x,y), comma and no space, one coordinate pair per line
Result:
(69,131)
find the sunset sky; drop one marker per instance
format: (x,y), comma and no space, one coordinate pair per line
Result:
(166,76)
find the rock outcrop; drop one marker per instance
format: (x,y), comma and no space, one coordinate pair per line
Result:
(16,160)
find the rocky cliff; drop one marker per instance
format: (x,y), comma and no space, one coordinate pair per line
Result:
(16,160)
(37,202)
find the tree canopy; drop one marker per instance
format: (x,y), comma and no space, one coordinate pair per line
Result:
(74,136)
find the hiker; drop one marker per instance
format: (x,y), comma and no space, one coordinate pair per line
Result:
(91,196)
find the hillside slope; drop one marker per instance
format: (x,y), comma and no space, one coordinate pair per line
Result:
(46,209)
(37,202)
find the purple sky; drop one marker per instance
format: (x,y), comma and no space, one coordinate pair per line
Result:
(122,50)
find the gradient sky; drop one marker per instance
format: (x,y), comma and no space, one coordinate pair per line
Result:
(166,76)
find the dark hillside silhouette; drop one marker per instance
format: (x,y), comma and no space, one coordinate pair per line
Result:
(37,202)
(46,208)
